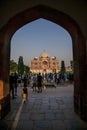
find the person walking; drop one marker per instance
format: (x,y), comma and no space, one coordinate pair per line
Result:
(16,83)
(34,79)
(12,85)
(25,91)
(39,82)
(25,81)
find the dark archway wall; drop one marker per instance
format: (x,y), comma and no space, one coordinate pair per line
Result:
(79,52)
(76,9)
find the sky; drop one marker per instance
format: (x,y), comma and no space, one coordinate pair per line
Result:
(38,36)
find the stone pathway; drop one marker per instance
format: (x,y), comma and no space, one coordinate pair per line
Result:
(50,110)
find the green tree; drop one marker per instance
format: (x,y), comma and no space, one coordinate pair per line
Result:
(63,67)
(20,65)
(13,66)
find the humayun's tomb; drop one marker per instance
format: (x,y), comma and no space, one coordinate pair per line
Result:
(44,64)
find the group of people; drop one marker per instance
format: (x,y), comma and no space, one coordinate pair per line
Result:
(37,82)
(15,80)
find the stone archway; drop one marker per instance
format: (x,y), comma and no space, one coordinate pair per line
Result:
(78,53)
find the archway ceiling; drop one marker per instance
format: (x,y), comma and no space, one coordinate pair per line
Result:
(44,12)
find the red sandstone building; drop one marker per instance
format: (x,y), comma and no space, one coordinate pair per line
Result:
(44,64)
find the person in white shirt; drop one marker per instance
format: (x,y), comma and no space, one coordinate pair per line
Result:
(34,79)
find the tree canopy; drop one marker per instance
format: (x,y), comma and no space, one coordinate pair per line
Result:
(20,65)
(63,67)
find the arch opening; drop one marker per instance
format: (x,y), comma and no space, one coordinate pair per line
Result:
(45,35)
(78,51)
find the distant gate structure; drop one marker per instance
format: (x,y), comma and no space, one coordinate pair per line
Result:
(45,64)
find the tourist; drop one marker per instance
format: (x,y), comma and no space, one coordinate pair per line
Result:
(12,85)
(34,80)
(16,83)
(39,82)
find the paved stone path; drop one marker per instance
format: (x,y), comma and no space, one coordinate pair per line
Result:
(50,110)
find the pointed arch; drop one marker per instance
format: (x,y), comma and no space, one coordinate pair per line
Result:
(78,42)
